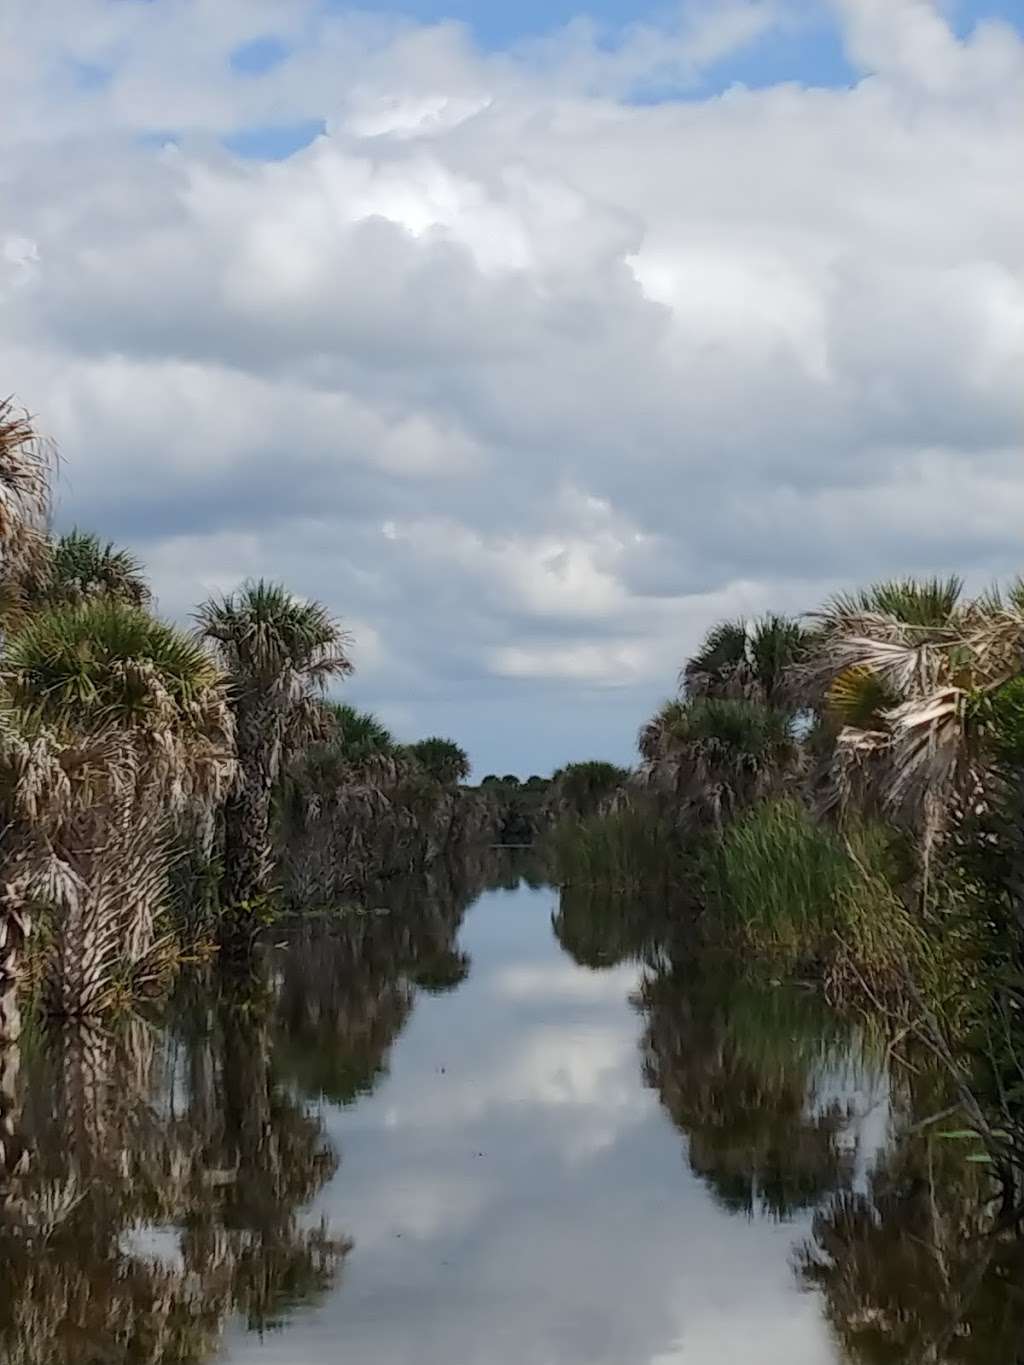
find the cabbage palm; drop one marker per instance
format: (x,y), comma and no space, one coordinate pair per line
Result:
(25,469)
(79,566)
(909,673)
(718,754)
(444,760)
(279,652)
(117,723)
(756,661)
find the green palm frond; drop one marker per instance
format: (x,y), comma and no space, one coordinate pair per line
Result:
(105,663)
(665,729)
(777,646)
(264,635)
(79,566)
(358,734)
(925,602)
(859,697)
(722,655)
(444,760)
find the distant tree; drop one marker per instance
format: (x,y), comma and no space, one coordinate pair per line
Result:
(445,761)
(510,780)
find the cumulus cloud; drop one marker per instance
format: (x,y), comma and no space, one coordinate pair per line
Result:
(529,376)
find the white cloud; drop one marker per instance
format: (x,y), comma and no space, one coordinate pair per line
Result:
(533,379)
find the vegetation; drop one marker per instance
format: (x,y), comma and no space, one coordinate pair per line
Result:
(150,777)
(844,799)
(442,759)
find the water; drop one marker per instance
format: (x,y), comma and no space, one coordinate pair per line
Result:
(490,1138)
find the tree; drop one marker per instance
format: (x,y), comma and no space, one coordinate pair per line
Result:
(580,789)
(443,759)
(118,722)
(25,468)
(279,652)
(718,754)
(909,673)
(80,566)
(756,662)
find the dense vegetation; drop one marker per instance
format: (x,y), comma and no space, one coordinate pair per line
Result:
(842,798)
(160,785)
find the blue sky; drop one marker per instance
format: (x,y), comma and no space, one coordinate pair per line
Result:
(806,48)
(813,54)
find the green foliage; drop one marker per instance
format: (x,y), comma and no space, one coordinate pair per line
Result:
(778,876)
(776,647)
(757,661)
(104,663)
(267,637)
(721,656)
(926,602)
(749,729)
(582,787)
(999,717)
(803,897)
(79,566)
(357,735)
(442,759)
(629,849)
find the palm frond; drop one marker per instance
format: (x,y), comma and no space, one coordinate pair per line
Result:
(79,566)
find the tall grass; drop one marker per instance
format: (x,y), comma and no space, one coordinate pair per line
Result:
(804,897)
(628,849)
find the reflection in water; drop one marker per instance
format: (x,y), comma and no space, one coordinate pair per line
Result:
(161,1192)
(507,1175)
(910,1272)
(749,1075)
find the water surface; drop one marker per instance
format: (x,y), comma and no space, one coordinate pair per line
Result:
(516,1135)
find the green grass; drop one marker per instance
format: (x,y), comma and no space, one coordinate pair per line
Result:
(803,897)
(628,849)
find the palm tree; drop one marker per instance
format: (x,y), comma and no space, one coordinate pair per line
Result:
(25,468)
(26,462)
(718,754)
(911,675)
(444,760)
(582,789)
(279,653)
(756,662)
(359,735)
(117,724)
(79,566)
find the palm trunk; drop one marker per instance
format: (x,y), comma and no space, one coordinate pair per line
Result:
(247,849)
(248,852)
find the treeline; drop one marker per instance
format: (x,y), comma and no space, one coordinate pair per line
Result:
(841,797)
(157,782)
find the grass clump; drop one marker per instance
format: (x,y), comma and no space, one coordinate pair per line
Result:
(627,849)
(806,898)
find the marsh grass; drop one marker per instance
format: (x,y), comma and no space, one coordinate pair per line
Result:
(629,849)
(804,898)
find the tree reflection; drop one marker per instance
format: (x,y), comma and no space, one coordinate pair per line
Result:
(746,1073)
(605,930)
(347,983)
(910,1268)
(163,1195)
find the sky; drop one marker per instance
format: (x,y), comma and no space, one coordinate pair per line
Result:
(533,339)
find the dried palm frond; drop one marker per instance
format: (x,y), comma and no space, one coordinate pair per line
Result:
(26,466)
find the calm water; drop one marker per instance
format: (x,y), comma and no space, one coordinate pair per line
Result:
(518,1134)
